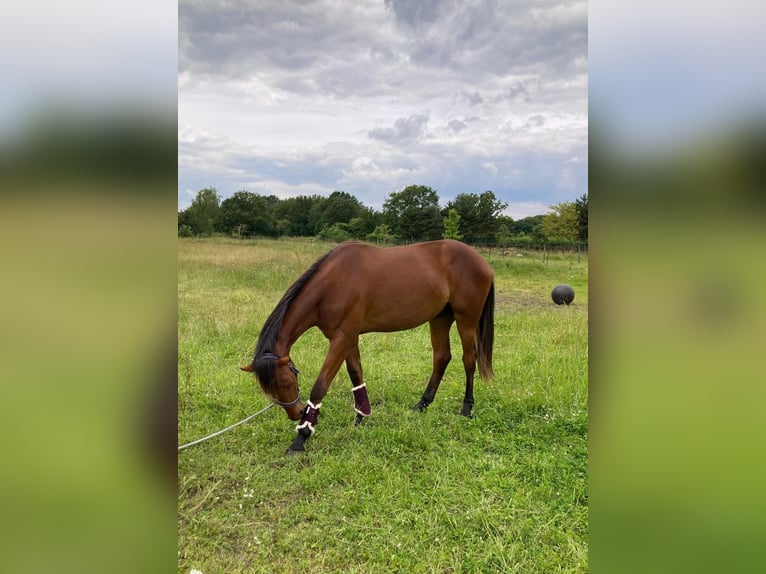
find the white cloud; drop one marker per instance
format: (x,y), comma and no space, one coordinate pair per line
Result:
(521,209)
(284,190)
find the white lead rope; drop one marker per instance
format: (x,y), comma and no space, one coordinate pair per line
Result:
(243,421)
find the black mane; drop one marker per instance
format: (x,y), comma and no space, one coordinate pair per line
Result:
(266,369)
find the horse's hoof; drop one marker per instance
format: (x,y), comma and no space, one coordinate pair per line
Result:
(293,452)
(420,407)
(297,446)
(359,420)
(467,411)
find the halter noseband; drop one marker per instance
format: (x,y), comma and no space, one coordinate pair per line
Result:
(295,371)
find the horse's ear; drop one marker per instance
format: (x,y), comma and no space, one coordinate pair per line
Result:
(249,368)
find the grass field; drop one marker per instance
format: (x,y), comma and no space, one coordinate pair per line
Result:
(506,491)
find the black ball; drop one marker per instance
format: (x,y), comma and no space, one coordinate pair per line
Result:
(562,294)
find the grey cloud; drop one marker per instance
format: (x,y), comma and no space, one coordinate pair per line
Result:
(456,125)
(415,13)
(240,38)
(462,34)
(359,49)
(404,130)
(472,98)
(382,53)
(517,92)
(487,37)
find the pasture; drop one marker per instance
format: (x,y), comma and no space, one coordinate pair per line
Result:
(506,491)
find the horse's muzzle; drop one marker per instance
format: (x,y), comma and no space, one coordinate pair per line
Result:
(295,412)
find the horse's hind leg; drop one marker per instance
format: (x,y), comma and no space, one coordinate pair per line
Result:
(468,341)
(440,326)
(361,401)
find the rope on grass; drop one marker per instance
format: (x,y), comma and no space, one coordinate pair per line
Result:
(243,421)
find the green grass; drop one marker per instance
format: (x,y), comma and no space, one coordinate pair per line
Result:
(406,492)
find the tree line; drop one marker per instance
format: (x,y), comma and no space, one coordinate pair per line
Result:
(410,215)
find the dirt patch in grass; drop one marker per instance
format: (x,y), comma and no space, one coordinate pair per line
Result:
(521,300)
(526,300)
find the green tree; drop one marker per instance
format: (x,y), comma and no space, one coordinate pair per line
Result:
(339,207)
(537,234)
(504,222)
(525,225)
(478,215)
(357,228)
(503,234)
(247,213)
(184,224)
(381,234)
(562,224)
(452,225)
(297,216)
(413,213)
(370,220)
(204,214)
(338,232)
(581,205)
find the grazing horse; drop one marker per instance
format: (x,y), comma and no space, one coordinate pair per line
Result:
(358,288)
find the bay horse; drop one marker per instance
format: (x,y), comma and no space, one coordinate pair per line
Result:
(358,288)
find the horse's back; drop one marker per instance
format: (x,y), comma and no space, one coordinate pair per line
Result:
(442,258)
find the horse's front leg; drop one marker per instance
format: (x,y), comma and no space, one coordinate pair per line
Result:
(359,388)
(307,426)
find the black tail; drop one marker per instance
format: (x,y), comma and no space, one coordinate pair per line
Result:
(485,337)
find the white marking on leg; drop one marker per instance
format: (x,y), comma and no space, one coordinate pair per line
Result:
(303,425)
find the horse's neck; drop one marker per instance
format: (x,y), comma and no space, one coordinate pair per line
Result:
(300,317)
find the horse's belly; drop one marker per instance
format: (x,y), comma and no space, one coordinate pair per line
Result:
(401,315)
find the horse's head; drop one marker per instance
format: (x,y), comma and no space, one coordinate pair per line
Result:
(278,378)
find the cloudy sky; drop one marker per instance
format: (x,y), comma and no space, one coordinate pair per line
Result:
(367,97)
